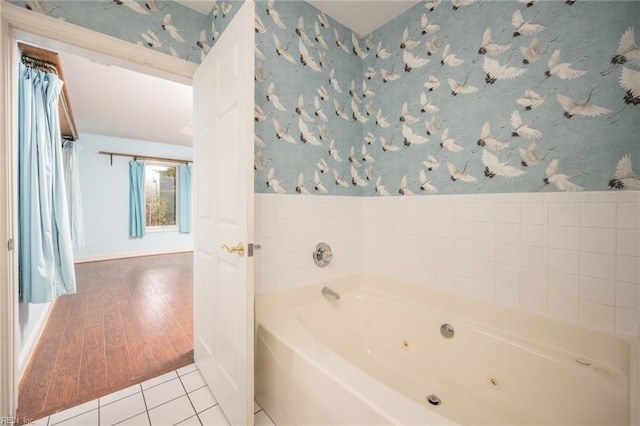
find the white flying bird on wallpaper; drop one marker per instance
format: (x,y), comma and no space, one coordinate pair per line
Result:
(531,155)
(306,59)
(456,4)
(432,83)
(490,47)
(226,8)
(301,111)
(528,3)
(522,27)
(274,183)
(323,20)
(449,58)
(369,172)
(571,107)
(38,6)
(259,53)
(388,146)
(322,92)
(306,135)
(521,129)
(301,187)
(433,126)
(388,76)
(322,166)
(432,4)
(411,61)
(460,88)
(257,140)
(356,47)
(339,180)
(493,167)
(431,163)
(271,11)
(319,186)
(258,113)
(406,117)
(460,175)
(300,31)
(366,157)
(370,73)
(215,34)
(370,108)
(381,52)
(281,50)
(531,99)
(215,8)
(560,180)
(533,51)
(624,177)
(411,138)
(273,98)
(370,42)
(428,27)
(153,6)
(318,112)
(356,179)
(627,49)
(323,134)
(281,132)
(152,40)
(258,25)
(380,187)
(495,71)
(404,187)
(562,70)
(168,26)
(366,92)
(133,5)
(433,46)
(449,143)
(340,110)
(426,185)
(319,38)
(334,82)
(630,80)
(354,93)
(352,157)
(259,74)
(356,115)
(381,121)
(340,41)
(426,106)
(488,141)
(370,138)
(407,43)
(333,151)
(258,161)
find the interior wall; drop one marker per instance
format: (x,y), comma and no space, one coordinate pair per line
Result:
(105,199)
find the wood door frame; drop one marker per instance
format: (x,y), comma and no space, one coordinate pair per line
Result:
(18,22)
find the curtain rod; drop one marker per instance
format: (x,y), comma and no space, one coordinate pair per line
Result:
(30,62)
(143,157)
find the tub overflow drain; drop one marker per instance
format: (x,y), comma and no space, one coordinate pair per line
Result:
(433,399)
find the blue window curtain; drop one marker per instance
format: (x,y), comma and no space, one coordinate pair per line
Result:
(136,199)
(71,163)
(185,198)
(45,255)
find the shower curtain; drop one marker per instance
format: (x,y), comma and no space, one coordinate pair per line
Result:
(45,256)
(71,165)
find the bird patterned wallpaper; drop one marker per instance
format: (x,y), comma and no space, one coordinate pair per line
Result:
(450,97)
(165,26)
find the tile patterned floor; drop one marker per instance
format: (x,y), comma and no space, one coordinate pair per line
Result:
(180,397)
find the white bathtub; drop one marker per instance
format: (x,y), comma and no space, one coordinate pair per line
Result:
(374,357)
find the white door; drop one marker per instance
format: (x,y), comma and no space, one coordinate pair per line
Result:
(223,282)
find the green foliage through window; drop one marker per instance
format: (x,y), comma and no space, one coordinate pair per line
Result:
(160,195)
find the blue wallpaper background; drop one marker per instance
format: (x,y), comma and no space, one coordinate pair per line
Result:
(593,146)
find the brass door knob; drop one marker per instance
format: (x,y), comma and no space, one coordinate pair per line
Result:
(237,249)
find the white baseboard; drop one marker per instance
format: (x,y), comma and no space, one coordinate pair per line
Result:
(30,345)
(115,256)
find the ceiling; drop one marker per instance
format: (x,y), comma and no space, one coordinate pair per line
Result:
(117,102)
(113,101)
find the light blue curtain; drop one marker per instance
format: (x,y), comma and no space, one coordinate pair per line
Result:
(185,198)
(136,199)
(46,268)
(71,164)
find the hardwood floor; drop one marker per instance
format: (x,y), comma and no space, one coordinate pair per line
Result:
(130,320)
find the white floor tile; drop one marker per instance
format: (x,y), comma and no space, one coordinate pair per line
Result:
(186,369)
(162,393)
(261,419)
(158,380)
(213,417)
(193,381)
(73,411)
(112,397)
(122,409)
(172,412)
(139,420)
(191,421)
(202,399)
(86,419)
(256,407)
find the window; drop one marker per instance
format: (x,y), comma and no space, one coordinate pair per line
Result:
(161,195)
